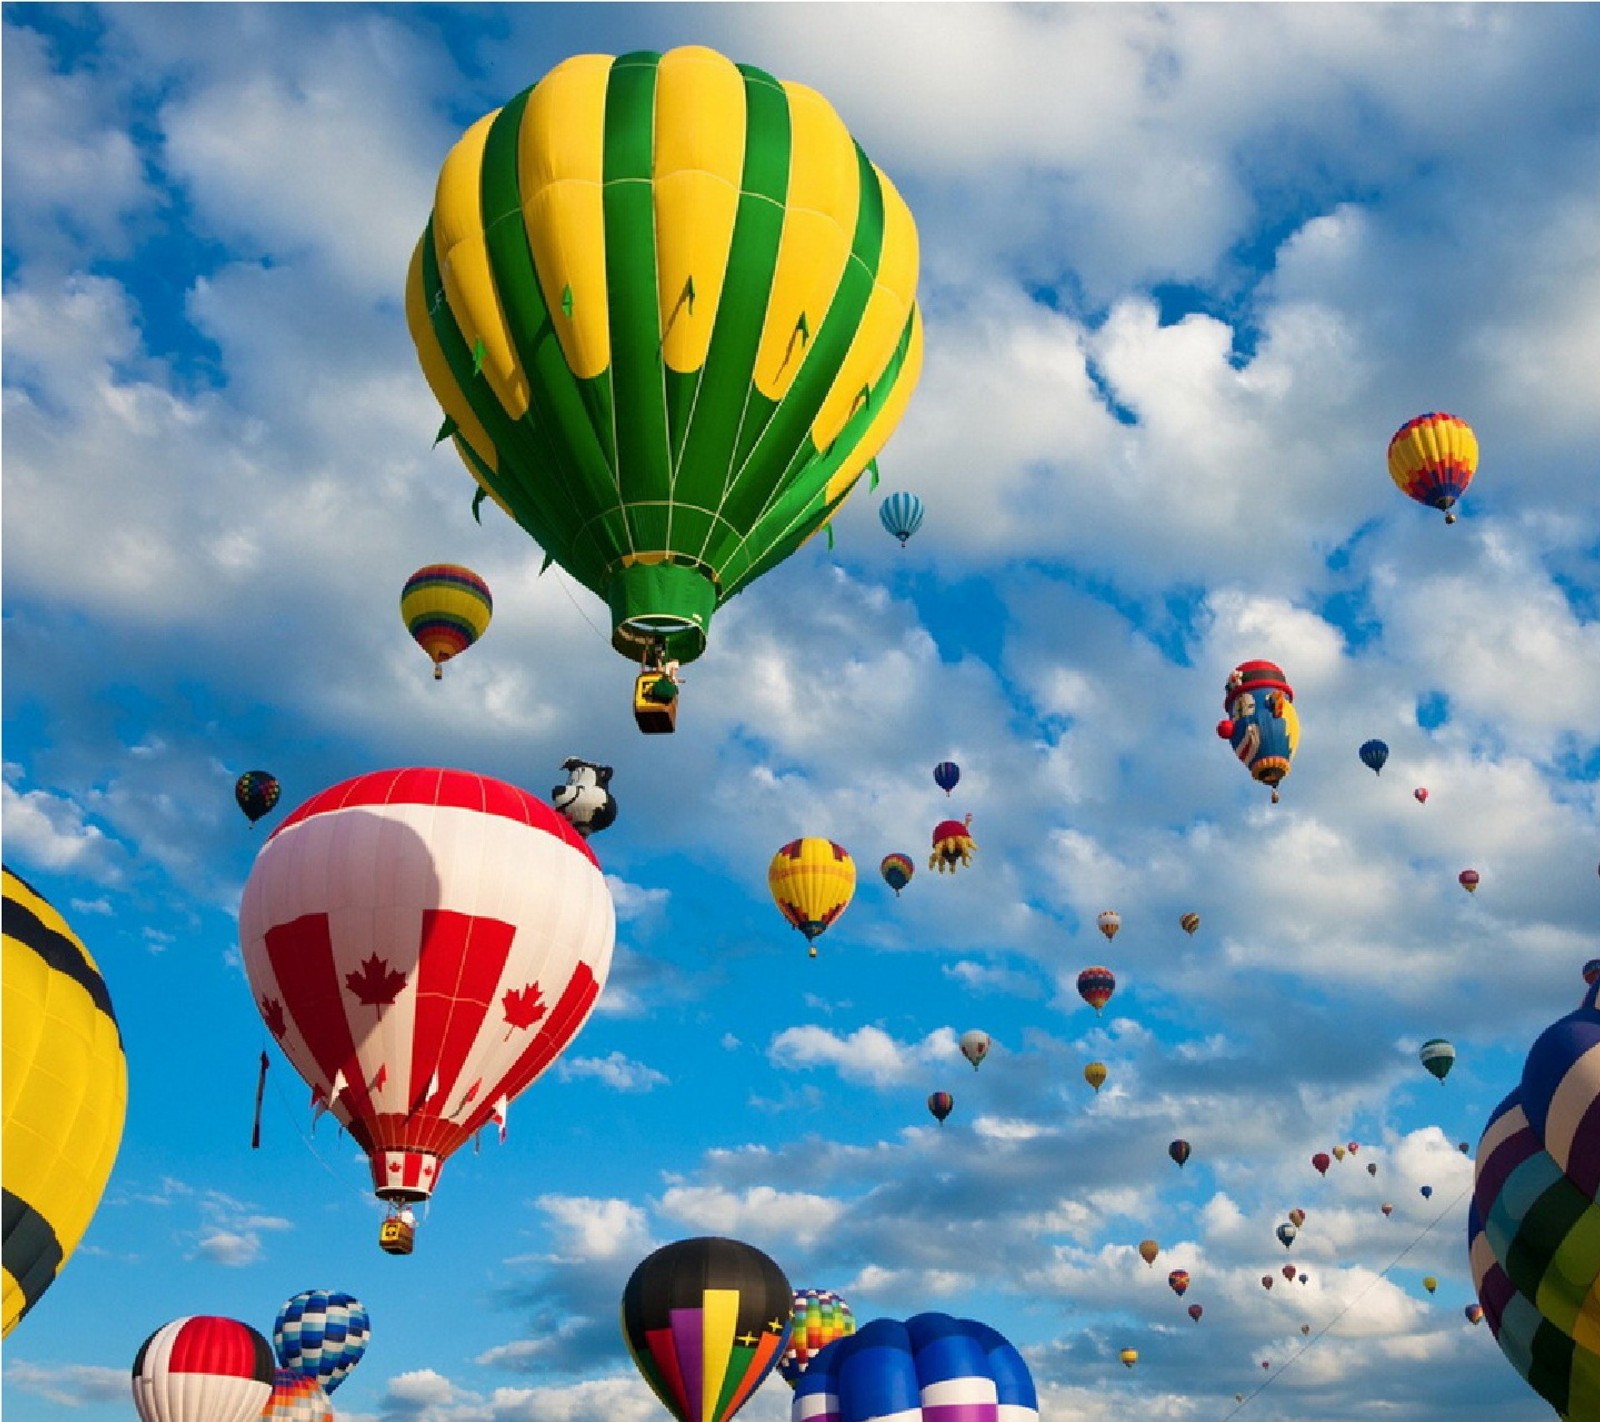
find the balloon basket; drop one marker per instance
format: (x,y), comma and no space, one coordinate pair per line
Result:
(395,1236)
(653,717)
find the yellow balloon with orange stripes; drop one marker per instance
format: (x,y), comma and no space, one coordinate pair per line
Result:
(812,882)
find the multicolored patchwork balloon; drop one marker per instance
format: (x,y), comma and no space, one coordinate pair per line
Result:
(296,1397)
(1533,1224)
(256,792)
(322,1335)
(820,1316)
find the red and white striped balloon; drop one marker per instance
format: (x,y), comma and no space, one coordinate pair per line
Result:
(203,1369)
(423,943)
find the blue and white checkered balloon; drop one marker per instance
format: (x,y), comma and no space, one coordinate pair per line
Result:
(322,1335)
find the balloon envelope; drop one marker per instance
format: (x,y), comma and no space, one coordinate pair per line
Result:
(897,870)
(1095,1074)
(1178,1281)
(446,608)
(66,1093)
(203,1369)
(1189,923)
(1373,754)
(296,1397)
(946,775)
(1179,1151)
(1437,1056)
(1432,459)
(1095,986)
(812,881)
(820,1316)
(256,792)
(1109,922)
(1321,1161)
(322,1334)
(1148,1249)
(1262,725)
(901,515)
(975,1046)
(706,1320)
(940,1105)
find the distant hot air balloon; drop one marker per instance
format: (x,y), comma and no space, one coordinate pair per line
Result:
(1297,1217)
(947,775)
(1179,1151)
(1591,971)
(1372,1168)
(668,308)
(1129,1357)
(1426,1192)
(941,1104)
(1387,1209)
(423,943)
(1266,1282)
(1463,1147)
(203,1369)
(1286,1236)
(296,1397)
(1430,1283)
(1262,724)
(705,1321)
(322,1335)
(1109,922)
(901,515)
(1305,1330)
(1373,754)
(897,871)
(820,1316)
(1189,922)
(256,792)
(1195,1311)
(1438,1056)
(1178,1282)
(975,1046)
(1474,1313)
(1432,459)
(1338,1152)
(1095,1075)
(812,881)
(1468,879)
(1420,794)
(1288,1272)
(1321,1162)
(446,608)
(1095,986)
(1148,1249)
(1352,1146)
(66,1093)
(928,1368)
(953,845)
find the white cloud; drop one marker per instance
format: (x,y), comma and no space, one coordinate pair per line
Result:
(868,1056)
(615,1071)
(590,1229)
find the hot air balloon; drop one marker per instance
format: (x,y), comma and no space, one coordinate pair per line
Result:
(1266,1282)
(1195,1311)
(1432,459)
(812,882)
(1178,1282)
(1468,879)
(705,1321)
(1109,921)
(668,308)
(1430,1283)
(1387,1209)
(953,845)
(901,515)
(1338,1152)
(1288,1272)
(203,1369)
(1591,971)
(1095,986)
(1129,1357)
(423,943)
(1462,1147)
(1420,794)
(1179,1151)
(947,775)
(1189,923)
(897,871)
(820,1316)
(256,792)
(975,1046)
(1352,1146)
(1438,1056)
(296,1397)
(1474,1313)
(1095,1075)
(446,608)
(66,1093)
(1297,1218)
(585,802)
(1286,1236)
(1321,1162)
(941,1104)
(1426,1191)
(322,1335)
(1304,1278)
(1531,1223)
(929,1368)
(1148,1249)
(1305,1330)
(1262,724)
(1372,1168)
(1373,754)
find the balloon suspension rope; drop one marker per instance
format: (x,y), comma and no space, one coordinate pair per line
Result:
(1317,1336)
(576,608)
(310,1144)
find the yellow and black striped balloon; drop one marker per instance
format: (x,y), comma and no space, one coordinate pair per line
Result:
(65,1085)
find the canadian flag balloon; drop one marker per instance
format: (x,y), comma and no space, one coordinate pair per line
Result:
(423,943)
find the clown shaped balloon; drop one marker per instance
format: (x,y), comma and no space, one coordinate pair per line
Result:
(1261,723)
(953,845)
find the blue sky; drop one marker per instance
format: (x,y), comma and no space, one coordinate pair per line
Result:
(1185,269)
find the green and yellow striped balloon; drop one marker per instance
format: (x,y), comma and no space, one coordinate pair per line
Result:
(65,1089)
(668,307)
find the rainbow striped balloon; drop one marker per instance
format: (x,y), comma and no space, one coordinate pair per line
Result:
(446,608)
(1432,459)
(820,1316)
(1534,1227)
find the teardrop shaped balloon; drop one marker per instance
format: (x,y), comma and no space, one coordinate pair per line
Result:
(1095,1075)
(1387,1209)
(1129,1357)
(705,1321)
(1321,1162)
(1095,986)
(446,608)
(1288,1272)
(1267,1282)
(901,515)
(812,881)
(1420,794)
(1286,1237)
(1437,1056)
(256,792)
(1372,1168)
(1148,1249)
(1430,1283)
(947,775)
(669,310)
(1426,1191)
(1373,755)
(1432,459)
(975,1046)
(897,871)
(1109,922)
(1297,1217)
(1195,1311)
(322,1334)
(1474,1313)
(1179,1151)
(940,1105)
(203,1369)
(1189,923)
(1178,1281)
(1469,880)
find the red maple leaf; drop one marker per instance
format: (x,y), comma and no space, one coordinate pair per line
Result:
(272,1015)
(522,1007)
(373,985)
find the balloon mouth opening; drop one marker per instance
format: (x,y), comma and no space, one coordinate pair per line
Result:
(661,609)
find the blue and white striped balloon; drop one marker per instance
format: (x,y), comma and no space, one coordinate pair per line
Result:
(901,514)
(321,1335)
